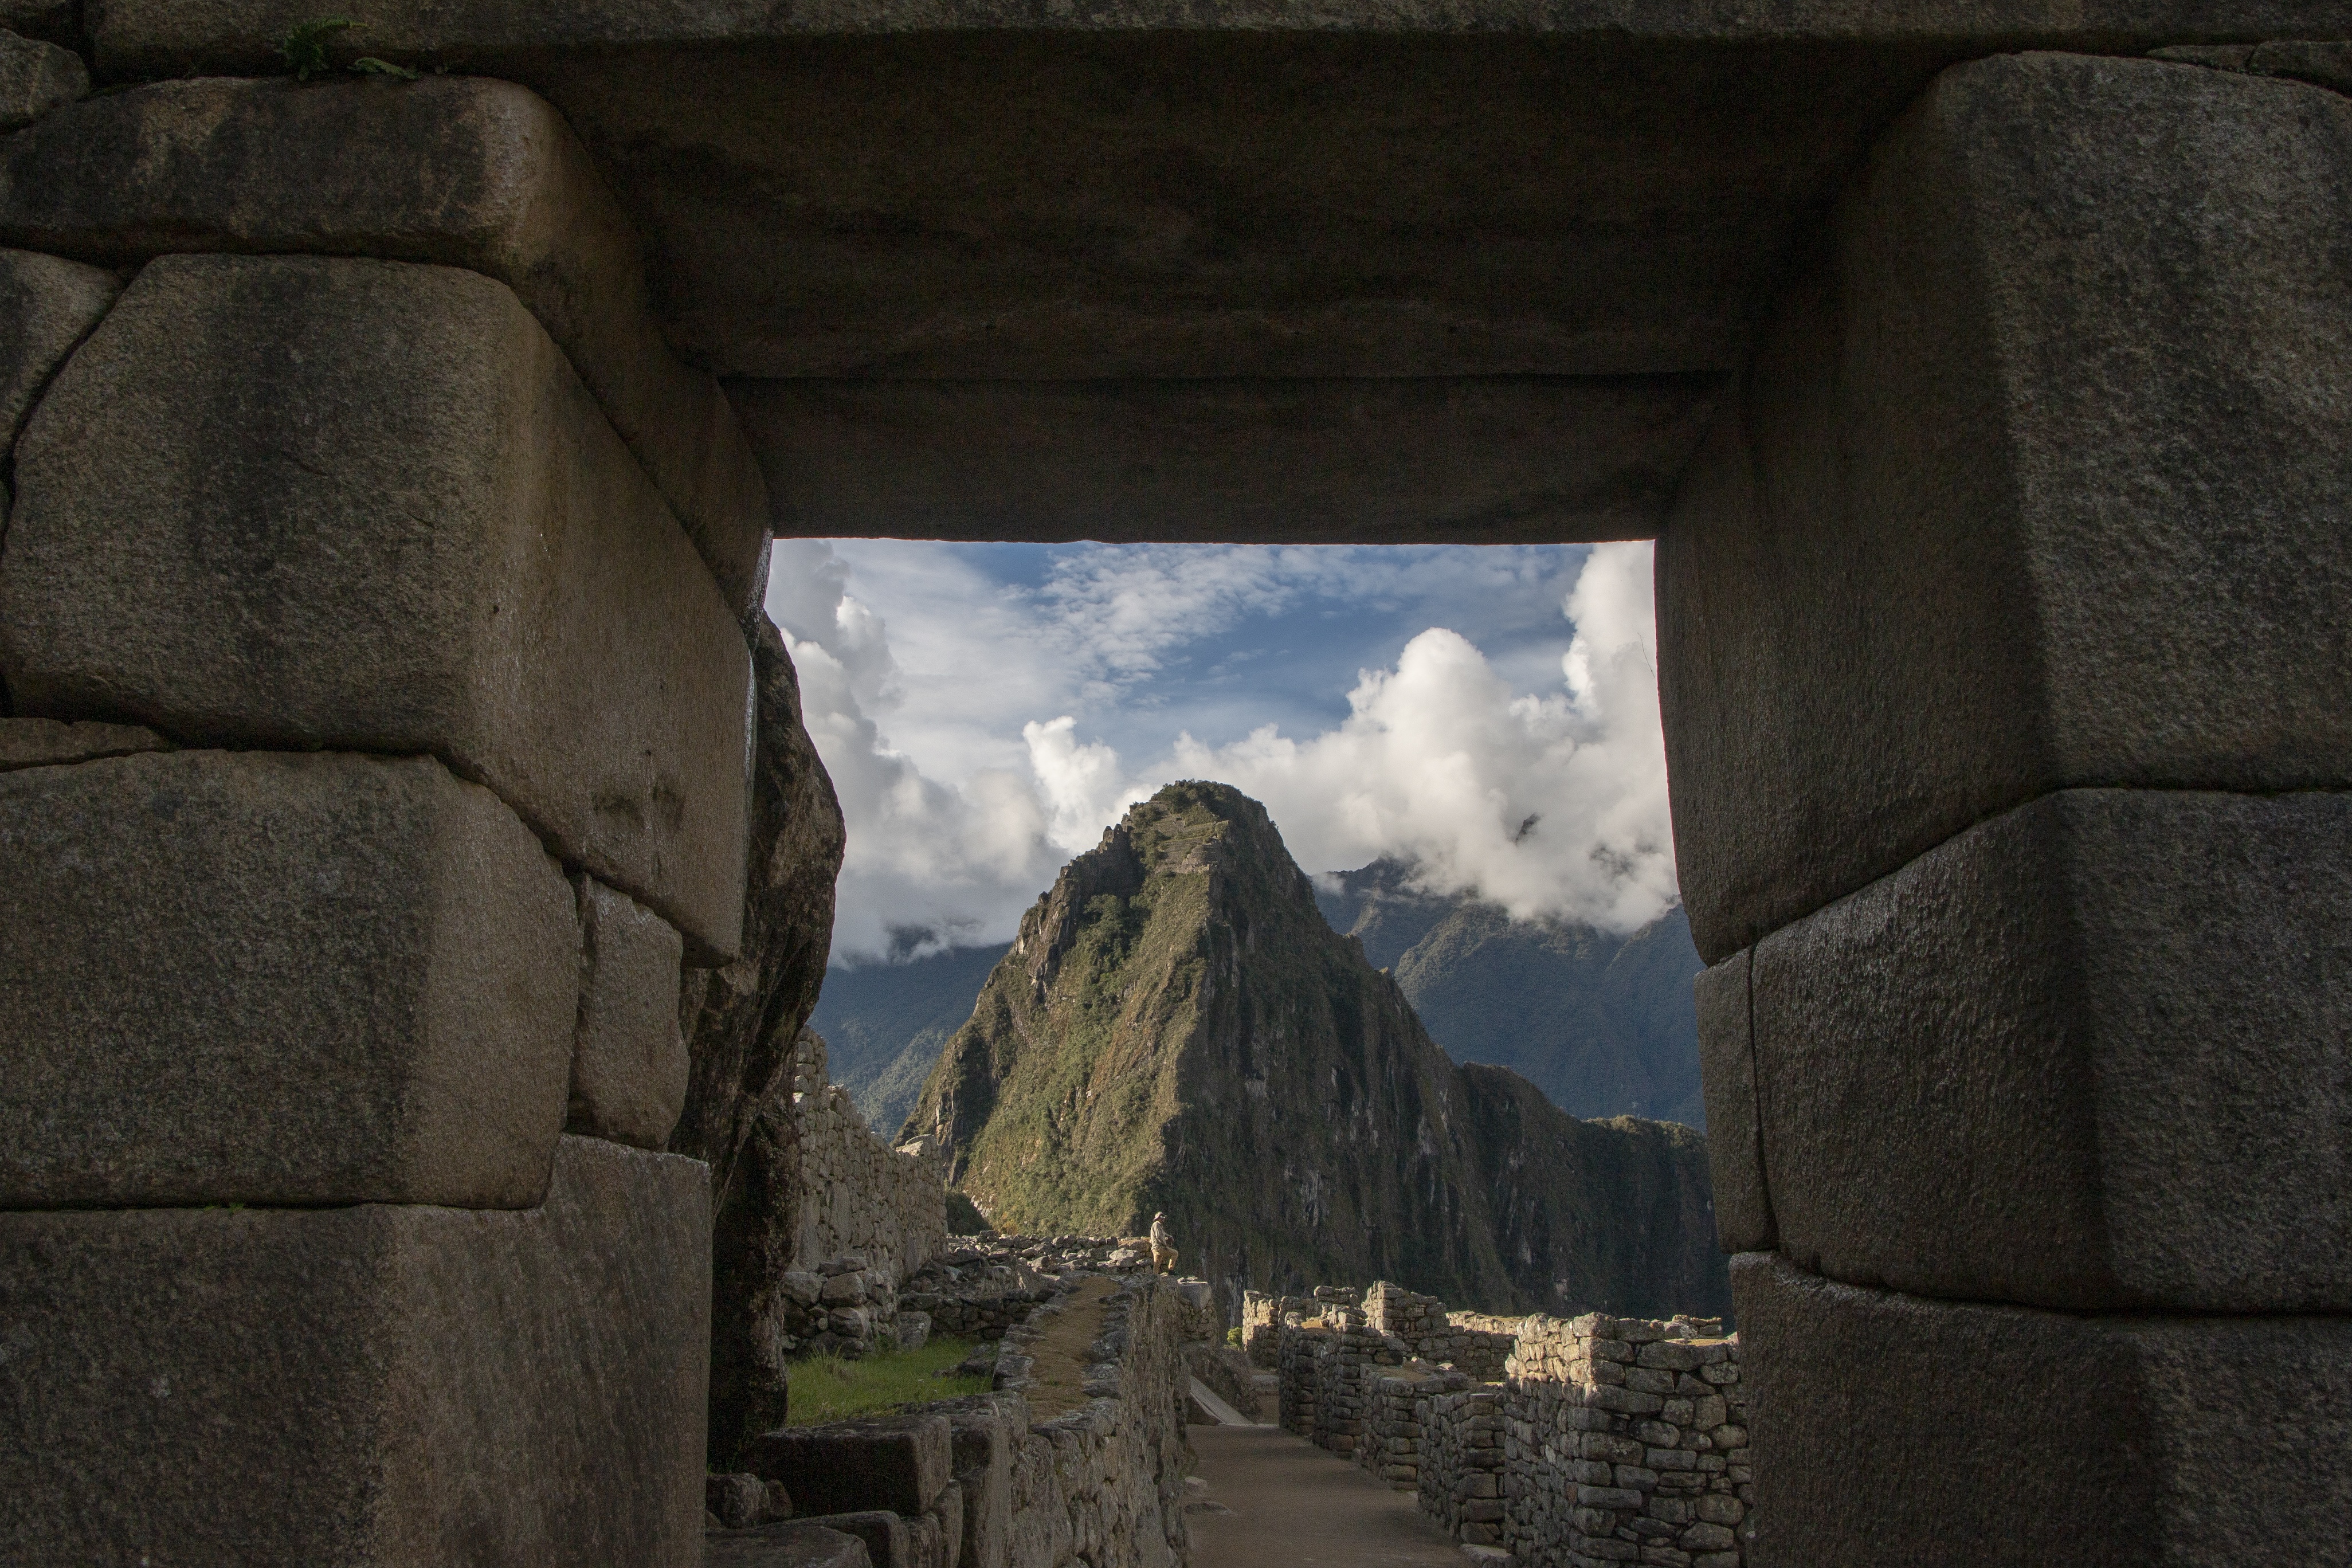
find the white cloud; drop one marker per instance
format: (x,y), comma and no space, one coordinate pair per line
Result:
(1550,806)
(964,733)
(928,861)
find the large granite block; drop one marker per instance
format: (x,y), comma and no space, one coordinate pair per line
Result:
(2023,1437)
(792,1546)
(291,501)
(47,743)
(2038,480)
(36,79)
(629,1065)
(899,1463)
(2089,1054)
(263,978)
(47,304)
(379,1385)
(481,175)
(1743,1203)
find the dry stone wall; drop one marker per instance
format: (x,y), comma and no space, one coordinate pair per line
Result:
(1037,1474)
(1461,1474)
(871,1215)
(1603,1440)
(1626,1439)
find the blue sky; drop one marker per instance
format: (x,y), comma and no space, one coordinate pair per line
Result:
(987,710)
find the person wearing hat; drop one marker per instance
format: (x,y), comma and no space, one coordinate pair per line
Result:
(1164,1245)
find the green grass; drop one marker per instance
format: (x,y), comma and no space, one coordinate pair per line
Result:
(828,1388)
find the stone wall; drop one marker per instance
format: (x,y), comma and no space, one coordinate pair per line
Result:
(1037,1474)
(1103,1484)
(1624,1432)
(884,1203)
(870,1216)
(1476,1343)
(1461,1475)
(374,687)
(1605,1440)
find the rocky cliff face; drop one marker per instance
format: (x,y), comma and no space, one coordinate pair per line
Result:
(740,1024)
(1178,1027)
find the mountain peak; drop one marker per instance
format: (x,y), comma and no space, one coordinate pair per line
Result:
(1177,1027)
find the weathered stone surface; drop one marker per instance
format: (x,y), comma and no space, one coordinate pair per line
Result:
(384,1384)
(901,1463)
(741,1023)
(628,1061)
(293,501)
(472,173)
(1470,461)
(47,304)
(886,1538)
(52,21)
(796,1545)
(47,743)
(2036,482)
(983,1459)
(1743,1203)
(2089,1054)
(277,979)
(36,79)
(2031,1437)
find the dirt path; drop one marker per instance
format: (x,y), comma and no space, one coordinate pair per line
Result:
(1277,1498)
(1059,1357)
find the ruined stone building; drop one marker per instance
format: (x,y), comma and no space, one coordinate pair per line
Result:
(397,780)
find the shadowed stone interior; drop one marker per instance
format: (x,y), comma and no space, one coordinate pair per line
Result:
(1140,193)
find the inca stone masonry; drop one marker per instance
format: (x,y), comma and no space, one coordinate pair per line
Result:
(391,466)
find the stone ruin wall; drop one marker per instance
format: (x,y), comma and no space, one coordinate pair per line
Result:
(871,1217)
(982,1482)
(1599,1439)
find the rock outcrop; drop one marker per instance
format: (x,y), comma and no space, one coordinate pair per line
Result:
(1177,1027)
(740,1024)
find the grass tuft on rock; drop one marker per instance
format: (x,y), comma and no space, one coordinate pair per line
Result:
(832,1388)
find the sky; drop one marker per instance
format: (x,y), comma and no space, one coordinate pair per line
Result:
(1488,713)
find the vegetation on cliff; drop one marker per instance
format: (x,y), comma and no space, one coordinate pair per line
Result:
(1603,1023)
(1178,1027)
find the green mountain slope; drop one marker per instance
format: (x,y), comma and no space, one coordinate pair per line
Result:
(1178,1027)
(884,1023)
(1603,1025)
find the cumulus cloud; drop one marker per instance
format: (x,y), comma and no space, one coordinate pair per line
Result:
(971,763)
(1550,805)
(930,862)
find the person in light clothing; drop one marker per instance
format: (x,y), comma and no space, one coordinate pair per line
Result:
(1164,1245)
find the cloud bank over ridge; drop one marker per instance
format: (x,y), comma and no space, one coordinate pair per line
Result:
(984,718)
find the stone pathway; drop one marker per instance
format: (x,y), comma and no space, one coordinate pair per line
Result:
(1275,1499)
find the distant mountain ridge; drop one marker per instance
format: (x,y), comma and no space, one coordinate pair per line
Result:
(1604,1024)
(884,1023)
(1177,1026)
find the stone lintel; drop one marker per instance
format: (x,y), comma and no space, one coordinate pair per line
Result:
(1469,460)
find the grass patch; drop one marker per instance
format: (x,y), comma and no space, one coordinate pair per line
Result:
(830,1388)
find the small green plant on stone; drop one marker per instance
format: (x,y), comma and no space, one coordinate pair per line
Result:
(305,50)
(1233,1338)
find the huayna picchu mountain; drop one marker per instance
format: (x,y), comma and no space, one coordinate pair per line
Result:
(1178,1027)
